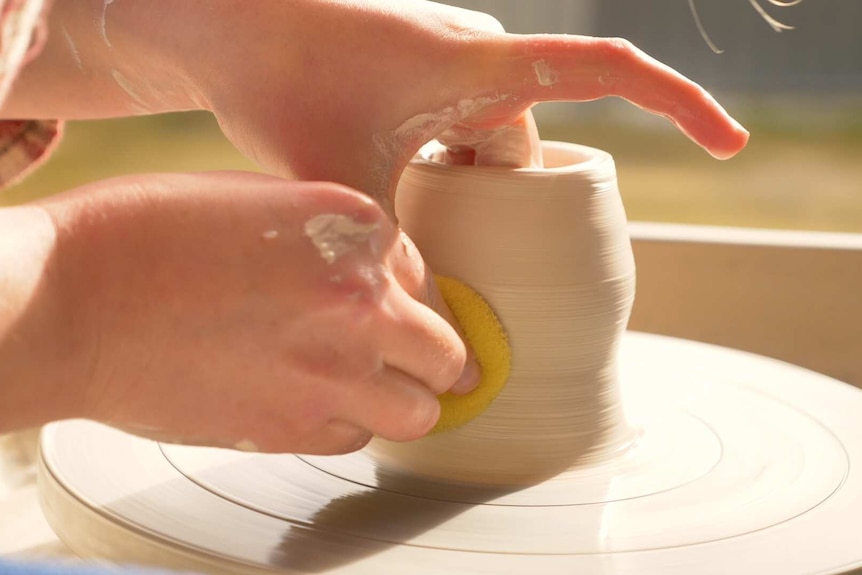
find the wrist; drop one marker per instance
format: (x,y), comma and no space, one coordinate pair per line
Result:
(38,346)
(108,59)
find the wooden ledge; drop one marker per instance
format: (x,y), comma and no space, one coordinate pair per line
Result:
(794,296)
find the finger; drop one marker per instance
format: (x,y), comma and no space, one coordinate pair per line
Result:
(581,68)
(413,274)
(515,145)
(471,373)
(418,341)
(336,438)
(394,406)
(512,145)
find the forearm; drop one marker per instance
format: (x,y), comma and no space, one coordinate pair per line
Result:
(37,343)
(105,59)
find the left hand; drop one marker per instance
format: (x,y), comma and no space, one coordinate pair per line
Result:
(348,91)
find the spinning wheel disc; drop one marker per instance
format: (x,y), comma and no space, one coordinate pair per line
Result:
(742,464)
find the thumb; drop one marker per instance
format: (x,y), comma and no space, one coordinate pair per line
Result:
(513,144)
(414,275)
(469,378)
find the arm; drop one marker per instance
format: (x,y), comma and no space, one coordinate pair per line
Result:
(345,91)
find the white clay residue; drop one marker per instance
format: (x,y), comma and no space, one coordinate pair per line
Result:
(545,75)
(421,125)
(138,104)
(73,49)
(269,234)
(432,122)
(336,234)
(103,22)
(146,97)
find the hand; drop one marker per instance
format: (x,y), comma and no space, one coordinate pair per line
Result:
(348,91)
(243,310)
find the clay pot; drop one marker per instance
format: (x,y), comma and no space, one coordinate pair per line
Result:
(549,250)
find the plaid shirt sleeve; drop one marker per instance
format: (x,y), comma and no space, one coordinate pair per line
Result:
(23,143)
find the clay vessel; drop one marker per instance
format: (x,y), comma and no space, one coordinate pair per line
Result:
(549,250)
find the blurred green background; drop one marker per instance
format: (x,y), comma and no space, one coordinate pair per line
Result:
(798,92)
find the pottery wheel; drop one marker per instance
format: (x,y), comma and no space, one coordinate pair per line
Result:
(742,464)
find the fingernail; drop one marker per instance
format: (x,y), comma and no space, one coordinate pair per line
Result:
(469,378)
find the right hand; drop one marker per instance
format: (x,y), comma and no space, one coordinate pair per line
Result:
(213,318)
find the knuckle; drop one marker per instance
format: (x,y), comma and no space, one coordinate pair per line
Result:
(360,439)
(445,361)
(421,418)
(620,48)
(619,54)
(487,22)
(425,416)
(332,438)
(345,225)
(360,287)
(472,23)
(314,413)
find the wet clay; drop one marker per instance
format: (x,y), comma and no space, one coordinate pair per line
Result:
(549,250)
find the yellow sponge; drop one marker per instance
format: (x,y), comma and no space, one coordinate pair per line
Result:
(487,338)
